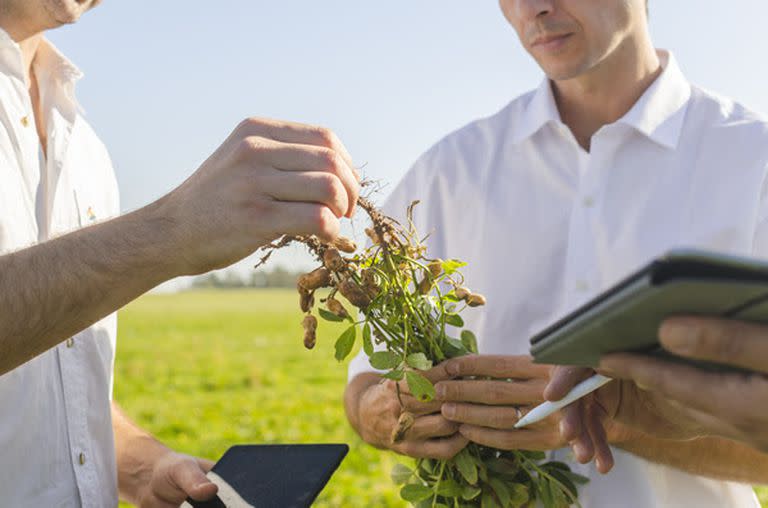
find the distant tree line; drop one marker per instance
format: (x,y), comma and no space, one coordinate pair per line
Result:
(277,277)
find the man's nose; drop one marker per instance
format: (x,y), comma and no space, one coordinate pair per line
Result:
(529,10)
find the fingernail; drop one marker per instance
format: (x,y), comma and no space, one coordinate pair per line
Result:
(440,391)
(679,336)
(449,410)
(641,384)
(579,451)
(202,485)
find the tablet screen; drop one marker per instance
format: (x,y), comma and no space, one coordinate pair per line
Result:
(273,476)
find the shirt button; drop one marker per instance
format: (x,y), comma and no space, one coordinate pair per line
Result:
(588,201)
(25,121)
(70,342)
(582,285)
(81,459)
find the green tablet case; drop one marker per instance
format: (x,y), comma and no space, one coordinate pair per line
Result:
(627,316)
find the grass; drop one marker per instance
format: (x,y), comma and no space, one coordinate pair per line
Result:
(205,370)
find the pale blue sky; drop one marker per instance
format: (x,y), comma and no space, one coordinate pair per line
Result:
(166,81)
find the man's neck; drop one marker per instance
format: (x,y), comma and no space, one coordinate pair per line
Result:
(29,49)
(26,32)
(607,92)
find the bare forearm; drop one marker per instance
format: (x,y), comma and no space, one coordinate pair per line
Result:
(136,452)
(53,290)
(714,457)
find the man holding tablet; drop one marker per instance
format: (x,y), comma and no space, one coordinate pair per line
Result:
(677,401)
(613,160)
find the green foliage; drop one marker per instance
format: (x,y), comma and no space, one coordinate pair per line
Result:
(345,343)
(205,370)
(418,361)
(420,386)
(329,316)
(384,360)
(367,344)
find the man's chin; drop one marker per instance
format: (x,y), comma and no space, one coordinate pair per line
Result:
(562,71)
(67,12)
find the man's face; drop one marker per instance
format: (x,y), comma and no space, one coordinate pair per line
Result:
(65,11)
(45,14)
(569,37)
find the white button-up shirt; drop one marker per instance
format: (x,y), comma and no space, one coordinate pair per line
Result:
(546,225)
(56,443)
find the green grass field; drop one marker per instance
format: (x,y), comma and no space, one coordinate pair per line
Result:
(205,370)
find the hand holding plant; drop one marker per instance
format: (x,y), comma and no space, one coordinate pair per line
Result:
(409,308)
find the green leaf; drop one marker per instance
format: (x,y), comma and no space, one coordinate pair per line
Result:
(449,488)
(501,490)
(420,387)
(367,344)
(535,455)
(451,265)
(413,493)
(345,343)
(559,496)
(427,465)
(488,501)
(482,472)
(466,466)
(401,474)
(384,360)
(469,340)
(454,320)
(545,494)
(454,347)
(395,375)
(502,466)
(565,481)
(329,316)
(577,478)
(565,470)
(469,492)
(418,361)
(520,494)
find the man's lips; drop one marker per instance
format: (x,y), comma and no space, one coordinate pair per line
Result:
(550,42)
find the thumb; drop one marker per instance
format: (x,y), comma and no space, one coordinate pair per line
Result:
(188,477)
(563,379)
(205,464)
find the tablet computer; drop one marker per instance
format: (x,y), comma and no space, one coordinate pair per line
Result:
(272,476)
(627,316)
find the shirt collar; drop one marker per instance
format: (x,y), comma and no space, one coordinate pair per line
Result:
(540,110)
(50,63)
(52,68)
(658,114)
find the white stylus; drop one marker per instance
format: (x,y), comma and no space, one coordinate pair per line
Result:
(547,408)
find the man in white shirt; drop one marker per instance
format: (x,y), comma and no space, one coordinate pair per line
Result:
(613,160)
(64,442)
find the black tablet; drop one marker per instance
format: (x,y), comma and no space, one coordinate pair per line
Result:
(627,316)
(272,476)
